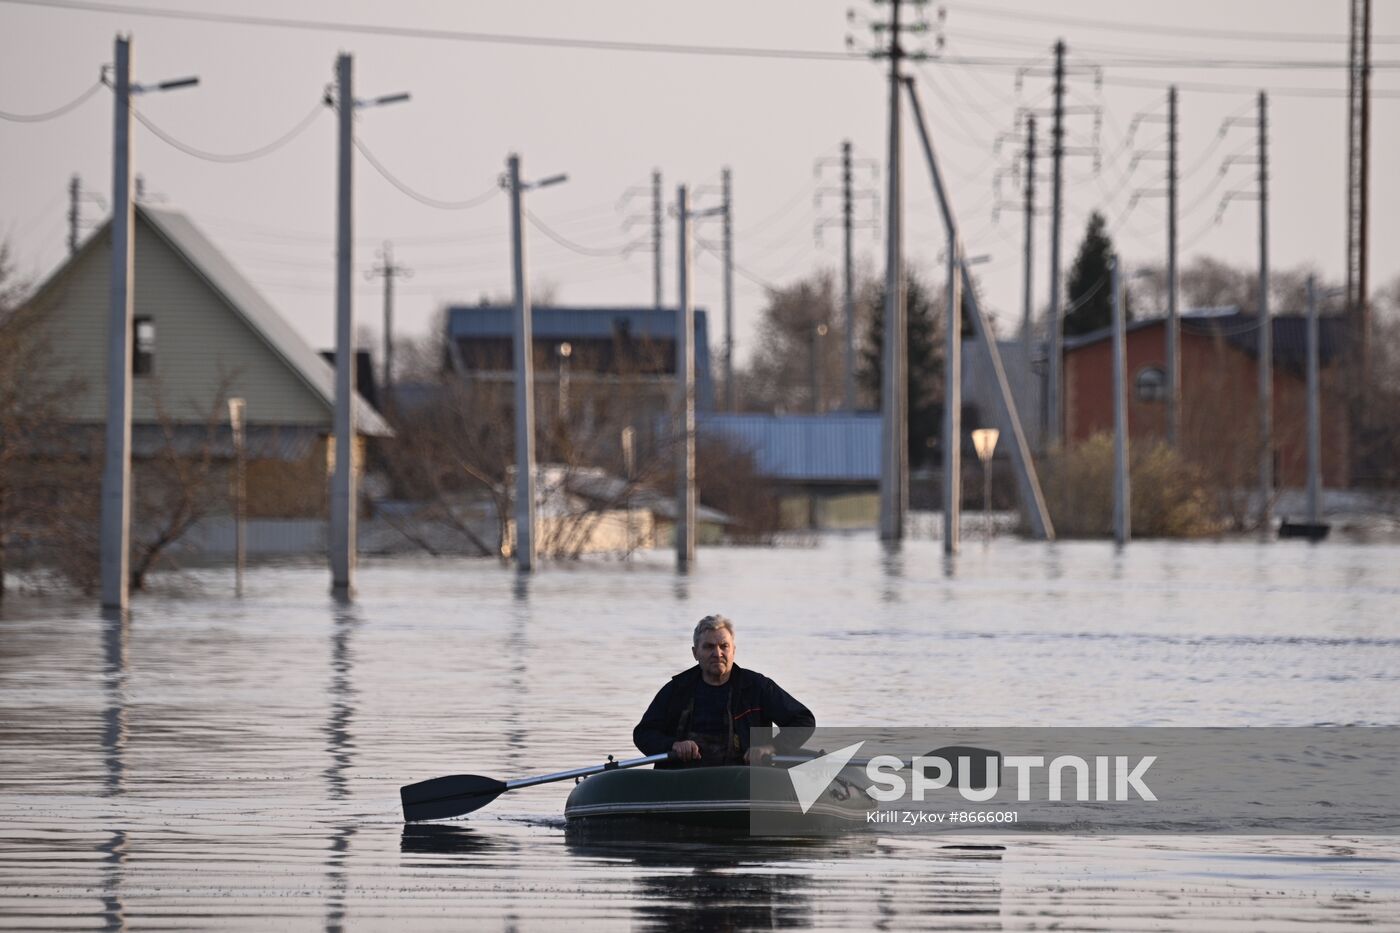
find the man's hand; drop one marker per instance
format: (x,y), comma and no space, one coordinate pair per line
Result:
(758,755)
(685,750)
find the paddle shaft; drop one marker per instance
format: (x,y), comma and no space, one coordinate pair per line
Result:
(585,772)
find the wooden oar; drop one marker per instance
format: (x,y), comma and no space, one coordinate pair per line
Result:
(456,794)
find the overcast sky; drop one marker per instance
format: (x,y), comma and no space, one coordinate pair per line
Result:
(608,117)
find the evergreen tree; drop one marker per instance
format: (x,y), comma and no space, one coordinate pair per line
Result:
(1090,291)
(924,376)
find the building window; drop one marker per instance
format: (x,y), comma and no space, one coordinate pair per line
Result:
(143,351)
(1151,384)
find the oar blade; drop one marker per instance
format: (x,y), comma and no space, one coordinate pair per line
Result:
(984,765)
(449,796)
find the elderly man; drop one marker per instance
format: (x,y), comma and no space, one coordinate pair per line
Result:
(703,715)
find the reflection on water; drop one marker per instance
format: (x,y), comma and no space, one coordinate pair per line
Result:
(236,763)
(345,619)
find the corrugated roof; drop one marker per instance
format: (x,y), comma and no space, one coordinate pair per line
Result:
(244,299)
(837,448)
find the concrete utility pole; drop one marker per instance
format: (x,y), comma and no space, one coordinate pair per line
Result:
(952,394)
(1314,408)
(1266,333)
(344,484)
(116,470)
(1173,282)
(343,499)
(1055,331)
(727,214)
(1122,491)
(388,270)
(656,237)
(1028,483)
(685,388)
(74,194)
(523,345)
(1359,191)
(848,288)
(1028,275)
(114,546)
(894,466)
(849,222)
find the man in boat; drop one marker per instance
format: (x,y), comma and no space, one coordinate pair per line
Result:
(703,715)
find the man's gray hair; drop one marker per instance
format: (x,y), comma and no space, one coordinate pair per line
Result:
(710,624)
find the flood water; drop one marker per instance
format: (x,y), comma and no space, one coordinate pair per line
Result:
(215,762)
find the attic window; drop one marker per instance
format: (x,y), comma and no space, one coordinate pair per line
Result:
(1150,385)
(143,351)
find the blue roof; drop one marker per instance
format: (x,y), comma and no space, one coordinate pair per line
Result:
(836,448)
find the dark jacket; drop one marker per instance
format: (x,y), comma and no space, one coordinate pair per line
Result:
(754,700)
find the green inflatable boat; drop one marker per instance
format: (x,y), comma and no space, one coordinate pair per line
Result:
(723,797)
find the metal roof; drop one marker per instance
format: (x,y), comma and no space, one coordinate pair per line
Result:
(206,259)
(572,322)
(838,448)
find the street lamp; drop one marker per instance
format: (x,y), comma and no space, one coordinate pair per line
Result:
(818,331)
(115,516)
(566,350)
(985,440)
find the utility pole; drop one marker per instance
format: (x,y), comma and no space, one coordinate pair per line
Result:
(74,194)
(1266,333)
(1122,491)
(343,499)
(1028,483)
(1055,332)
(685,388)
(726,182)
(656,237)
(344,494)
(849,222)
(1173,282)
(523,345)
(1358,189)
(848,294)
(894,469)
(388,270)
(1028,275)
(116,471)
(1314,406)
(114,547)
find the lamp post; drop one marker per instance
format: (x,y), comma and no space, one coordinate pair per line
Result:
(566,350)
(985,440)
(236,409)
(344,496)
(115,521)
(814,367)
(523,343)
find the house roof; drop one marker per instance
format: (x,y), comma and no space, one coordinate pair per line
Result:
(836,448)
(249,304)
(239,294)
(572,322)
(1290,334)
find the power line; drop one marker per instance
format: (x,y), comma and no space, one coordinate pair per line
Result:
(73,104)
(476,201)
(252,154)
(582,250)
(1195,32)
